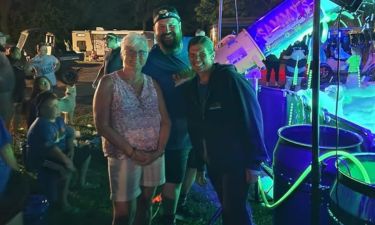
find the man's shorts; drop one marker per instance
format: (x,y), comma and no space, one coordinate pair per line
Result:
(175,165)
(126,177)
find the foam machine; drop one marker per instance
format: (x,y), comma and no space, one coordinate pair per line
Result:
(348,198)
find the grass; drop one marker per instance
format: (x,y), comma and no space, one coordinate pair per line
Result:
(95,205)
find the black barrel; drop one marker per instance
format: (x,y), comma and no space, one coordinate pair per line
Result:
(352,200)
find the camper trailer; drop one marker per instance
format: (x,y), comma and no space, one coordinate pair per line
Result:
(92,43)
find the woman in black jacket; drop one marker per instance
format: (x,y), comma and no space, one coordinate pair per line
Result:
(226,129)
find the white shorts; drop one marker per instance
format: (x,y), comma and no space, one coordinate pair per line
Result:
(127,177)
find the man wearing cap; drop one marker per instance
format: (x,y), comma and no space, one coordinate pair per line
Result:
(112,60)
(167,61)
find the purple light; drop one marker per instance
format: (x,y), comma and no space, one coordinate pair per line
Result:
(290,18)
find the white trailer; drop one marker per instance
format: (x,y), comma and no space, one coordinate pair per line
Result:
(92,43)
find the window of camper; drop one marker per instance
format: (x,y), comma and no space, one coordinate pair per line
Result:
(81,46)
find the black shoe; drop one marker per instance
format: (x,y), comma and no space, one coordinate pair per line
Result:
(184,211)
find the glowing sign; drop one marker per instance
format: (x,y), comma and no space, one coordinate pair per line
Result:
(284,23)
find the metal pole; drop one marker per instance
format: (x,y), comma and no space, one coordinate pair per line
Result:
(236,9)
(315,197)
(219,22)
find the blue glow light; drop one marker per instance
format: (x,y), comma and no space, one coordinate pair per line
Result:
(286,23)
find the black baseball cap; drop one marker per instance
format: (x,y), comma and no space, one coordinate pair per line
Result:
(165,12)
(110,36)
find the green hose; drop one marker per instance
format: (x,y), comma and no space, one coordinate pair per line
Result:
(307,171)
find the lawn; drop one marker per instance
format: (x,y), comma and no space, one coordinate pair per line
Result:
(95,206)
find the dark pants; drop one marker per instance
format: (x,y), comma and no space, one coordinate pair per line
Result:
(13,200)
(175,165)
(232,190)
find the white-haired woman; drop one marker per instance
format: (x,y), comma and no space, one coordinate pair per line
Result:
(130,115)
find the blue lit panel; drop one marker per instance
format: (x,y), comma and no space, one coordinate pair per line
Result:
(285,24)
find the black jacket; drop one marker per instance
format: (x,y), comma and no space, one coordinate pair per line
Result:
(229,123)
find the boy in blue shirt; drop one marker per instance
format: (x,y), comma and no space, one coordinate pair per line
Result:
(47,153)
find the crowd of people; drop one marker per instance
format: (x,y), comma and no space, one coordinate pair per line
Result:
(164,118)
(167,115)
(49,156)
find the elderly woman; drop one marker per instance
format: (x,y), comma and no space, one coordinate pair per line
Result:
(225,126)
(130,115)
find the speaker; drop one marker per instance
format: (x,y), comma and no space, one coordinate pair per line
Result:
(350,5)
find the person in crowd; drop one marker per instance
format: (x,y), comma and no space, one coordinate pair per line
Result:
(191,172)
(272,63)
(66,104)
(82,158)
(130,115)
(168,64)
(226,129)
(112,59)
(12,192)
(44,65)
(40,85)
(14,57)
(295,66)
(49,152)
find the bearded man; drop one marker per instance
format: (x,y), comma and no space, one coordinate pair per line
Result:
(168,63)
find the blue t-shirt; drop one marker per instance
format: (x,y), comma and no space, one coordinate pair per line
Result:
(45,66)
(41,137)
(5,138)
(162,67)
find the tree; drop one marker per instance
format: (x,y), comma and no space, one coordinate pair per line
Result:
(4,14)
(62,16)
(208,10)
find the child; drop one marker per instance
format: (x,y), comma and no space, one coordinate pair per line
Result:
(40,85)
(48,150)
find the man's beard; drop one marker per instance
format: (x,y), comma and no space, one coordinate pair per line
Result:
(170,44)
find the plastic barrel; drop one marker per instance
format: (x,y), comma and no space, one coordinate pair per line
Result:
(269,100)
(292,156)
(352,200)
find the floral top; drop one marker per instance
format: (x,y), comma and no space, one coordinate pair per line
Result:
(135,118)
